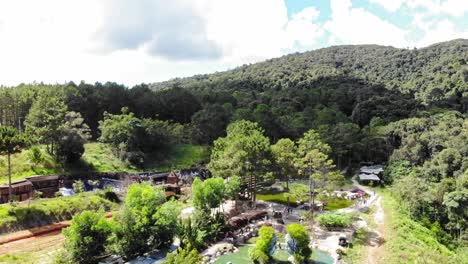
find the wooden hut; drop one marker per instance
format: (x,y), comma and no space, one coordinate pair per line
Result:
(22,190)
(172,178)
(48,185)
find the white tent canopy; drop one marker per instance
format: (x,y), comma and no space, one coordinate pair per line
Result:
(376,169)
(368,177)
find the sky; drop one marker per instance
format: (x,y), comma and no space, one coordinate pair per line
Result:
(131,42)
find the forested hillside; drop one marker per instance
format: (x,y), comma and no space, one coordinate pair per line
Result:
(407,108)
(345,92)
(435,75)
(403,107)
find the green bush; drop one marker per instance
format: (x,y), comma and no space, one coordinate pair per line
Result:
(258,256)
(110,195)
(301,236)
(183,256)
(335,220)
(78,186)
(87,237)
(146,222)
(266,240)
(335,203)
(361,236)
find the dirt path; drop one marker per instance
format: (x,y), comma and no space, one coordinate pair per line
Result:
(375,247)
(377,239)
(39,242)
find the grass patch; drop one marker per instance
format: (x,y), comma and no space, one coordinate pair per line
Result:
(335,203)
(276,198)
(18,258)
(357,253)
(100,157)
(178,157)
(331,220)
(46,211)
(21,166)
(407,241)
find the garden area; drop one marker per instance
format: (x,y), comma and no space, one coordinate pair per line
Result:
(298,193)
(280,256)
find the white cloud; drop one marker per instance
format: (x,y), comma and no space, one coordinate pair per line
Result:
(247,30)
(390,5)
(439,31)
(303,29)
(350,25)
(434,25)
(151,40)
(132,42)
(455,8)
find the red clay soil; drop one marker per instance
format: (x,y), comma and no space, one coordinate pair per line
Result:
(38,231)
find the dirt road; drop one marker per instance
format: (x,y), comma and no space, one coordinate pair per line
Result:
(38,242)
(375,246)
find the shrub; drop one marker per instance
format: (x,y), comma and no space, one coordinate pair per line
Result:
(335,220)
(183,256)
(86,238)
(201,228)
(110,195)
(300,236)
(264,246)
(70,147)
(35,156)
(361,236)
(146,221)
(258,256)
(78,187)
(190,234)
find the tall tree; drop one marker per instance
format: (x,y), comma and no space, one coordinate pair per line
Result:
(10,142)
(120,130)
(314,163)
(146,221)
(244,152)
(208,194)
(45,120)
(285,154)
(298,243)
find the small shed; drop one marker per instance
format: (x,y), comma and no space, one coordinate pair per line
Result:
(172,178)
(48,185)
(367,178)
(168,187)
(159,176)
(375,169)
(22,190)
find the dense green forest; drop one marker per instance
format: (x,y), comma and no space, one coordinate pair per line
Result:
(403,107)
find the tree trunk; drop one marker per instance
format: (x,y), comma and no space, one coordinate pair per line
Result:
(311,193)
(251,187)
(10,190)
(254,186)
(313,196)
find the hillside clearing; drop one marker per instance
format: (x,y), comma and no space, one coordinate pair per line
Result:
(100,157)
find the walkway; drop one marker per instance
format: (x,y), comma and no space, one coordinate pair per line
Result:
(328,240)
(375,249)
